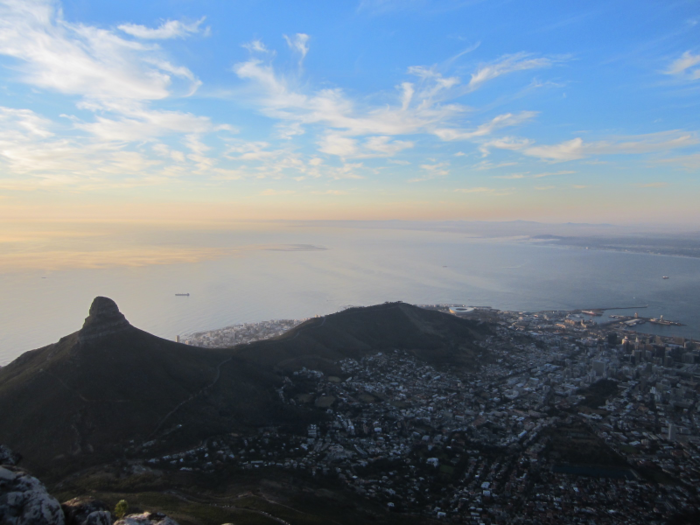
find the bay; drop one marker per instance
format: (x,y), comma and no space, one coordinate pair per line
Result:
(250,274)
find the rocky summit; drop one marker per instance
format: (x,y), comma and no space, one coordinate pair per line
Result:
(104,319)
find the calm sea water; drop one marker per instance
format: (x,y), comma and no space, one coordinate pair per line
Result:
(301,272)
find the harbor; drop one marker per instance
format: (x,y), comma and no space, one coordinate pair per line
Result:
(636,320)
(627,320)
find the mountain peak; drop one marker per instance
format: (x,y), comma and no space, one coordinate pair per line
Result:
(104,319)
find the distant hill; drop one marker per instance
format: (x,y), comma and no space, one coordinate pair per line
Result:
(437,338)
(85,398)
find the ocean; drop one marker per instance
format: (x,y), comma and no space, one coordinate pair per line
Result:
(251,273)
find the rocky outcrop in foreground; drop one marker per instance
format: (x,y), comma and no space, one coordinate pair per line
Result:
(24,500)
(86,511)
(7,457)
(147,518)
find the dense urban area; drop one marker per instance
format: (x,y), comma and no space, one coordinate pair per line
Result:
(569,418)
(239,333)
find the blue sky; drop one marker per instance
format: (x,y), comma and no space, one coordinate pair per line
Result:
(491,110)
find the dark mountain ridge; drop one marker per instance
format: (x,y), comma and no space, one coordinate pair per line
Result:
(434,337)
(82,400)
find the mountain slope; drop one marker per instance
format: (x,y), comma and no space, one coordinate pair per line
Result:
(437,338)
(109,386)
(102,386)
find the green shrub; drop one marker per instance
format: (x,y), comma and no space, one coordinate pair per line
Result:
(121,508)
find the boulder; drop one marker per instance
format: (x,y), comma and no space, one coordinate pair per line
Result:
(7,457)
(86,510)
(147,518)
(24,500)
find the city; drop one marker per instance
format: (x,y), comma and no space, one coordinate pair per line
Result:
(567,418)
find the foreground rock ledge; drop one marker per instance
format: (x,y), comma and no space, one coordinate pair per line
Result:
(147,518)
(24,500)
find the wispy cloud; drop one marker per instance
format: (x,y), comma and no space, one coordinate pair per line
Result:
(691,162)
(568,150)
(514,176)
(299,43)
(552,174)
(142,124)
(416,111)
(77,59)
(256,46)
(635,144)
(487,128)
(433,171)
(507,143)
(247,151)
(423,106)
(115,78)
(347,147)
(505,65)
(168,29)
(687,66)
(488,165)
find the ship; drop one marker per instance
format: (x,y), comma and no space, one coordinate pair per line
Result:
(182,295)
(664,322)
(665,277)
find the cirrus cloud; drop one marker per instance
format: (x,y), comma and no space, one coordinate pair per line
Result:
(687,66)
(168,29)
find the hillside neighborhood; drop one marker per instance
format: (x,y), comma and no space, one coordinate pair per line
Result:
(568,418)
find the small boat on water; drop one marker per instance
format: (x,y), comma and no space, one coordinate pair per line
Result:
(665,277)
(182,295)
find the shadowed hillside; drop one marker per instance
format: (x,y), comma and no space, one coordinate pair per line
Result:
(85,398)
(434,337)
(107,384)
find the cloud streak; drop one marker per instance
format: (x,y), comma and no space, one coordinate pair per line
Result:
(687,67)
(168,29)
(76,59)
(636,144)
(299,43)
(505,65)
(426,105)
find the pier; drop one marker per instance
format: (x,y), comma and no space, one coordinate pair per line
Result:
(612,308)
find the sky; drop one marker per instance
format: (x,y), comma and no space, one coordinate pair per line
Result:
(179,110)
